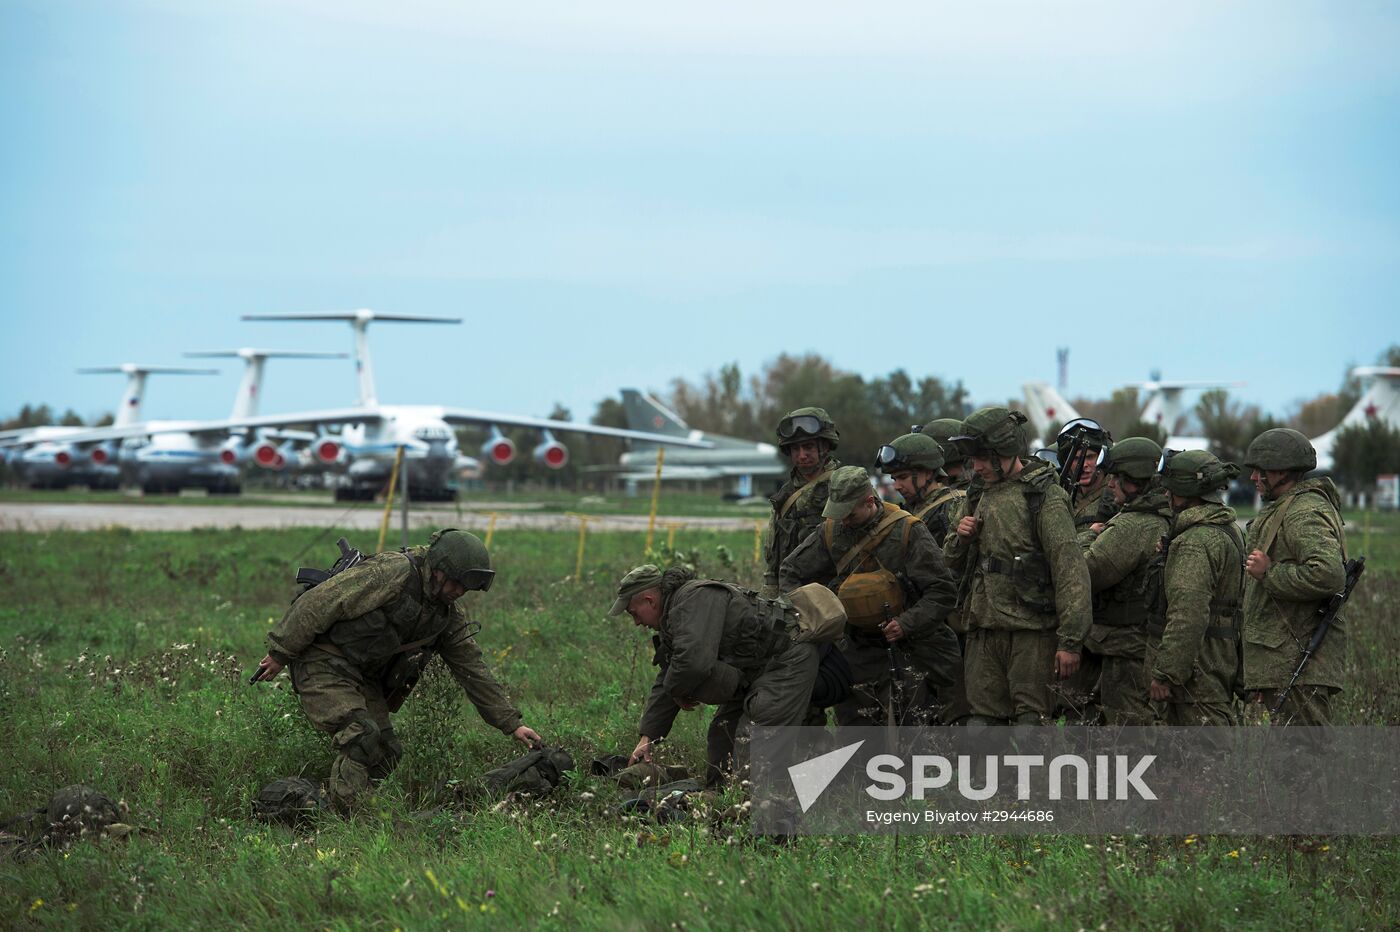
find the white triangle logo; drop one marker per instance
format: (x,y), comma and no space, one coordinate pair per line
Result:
(811,777)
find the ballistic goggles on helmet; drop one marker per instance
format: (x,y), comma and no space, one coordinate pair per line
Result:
(476,580)
(1089,428)
(887,457)
(1166,458)
(790,427)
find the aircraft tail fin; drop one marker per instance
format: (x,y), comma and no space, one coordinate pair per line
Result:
(1379,402)
(644,412)
(129,411)
(245,403)
(1046,407)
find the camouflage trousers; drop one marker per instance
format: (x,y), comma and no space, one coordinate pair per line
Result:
(1009,675)
(341,702)
(1305,705)
(1123,692)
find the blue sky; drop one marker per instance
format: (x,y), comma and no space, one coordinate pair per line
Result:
(615,194)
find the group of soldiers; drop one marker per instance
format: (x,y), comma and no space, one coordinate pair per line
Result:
(1115,589)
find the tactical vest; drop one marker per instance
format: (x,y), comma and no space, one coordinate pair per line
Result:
(1124,604)
(1226,613)
(764,635)
(1030,574)
(374,636)
(944,495)
(797,513)
(871,596)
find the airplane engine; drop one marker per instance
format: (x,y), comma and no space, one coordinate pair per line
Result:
(551,453)
(286,455)
(232,451)
(499,449)
(102,454)
(63,457)
(327,450)
(266,455)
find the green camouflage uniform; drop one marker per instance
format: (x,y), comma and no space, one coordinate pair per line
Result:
(791,524)
(928,649)
(1118,559)
(340,639)
(1303,533)
(1019,612)
(940,510)
(724,645)
(1194,593)
(941,520)
(1094,504)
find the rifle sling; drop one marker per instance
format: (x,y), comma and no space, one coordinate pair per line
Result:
(797,492)
(871,541)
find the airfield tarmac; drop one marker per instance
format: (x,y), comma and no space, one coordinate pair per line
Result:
(90,516)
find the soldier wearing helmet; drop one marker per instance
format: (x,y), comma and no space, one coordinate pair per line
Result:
(355,640)
(1193,594)
(943,430)
(1025,588)
(890,576)
(1091,501)
(1297,553)
(1118,553)
(807,437)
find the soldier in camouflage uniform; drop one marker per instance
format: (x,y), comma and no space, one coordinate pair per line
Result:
(861,536)
(1297,552)
(915,462)
(807,437)
(1118,554)
(718,644)
(1091,502)
(1025,587)
(943,429)
(347,636)
(1193,595)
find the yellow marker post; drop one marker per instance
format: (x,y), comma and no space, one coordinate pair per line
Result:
(490,530)
(758,541)
(671,536)
(655,495)
(582,540)
(389,499)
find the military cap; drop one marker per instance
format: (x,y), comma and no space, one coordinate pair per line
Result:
(850,485)
(1281,449)
(638,579)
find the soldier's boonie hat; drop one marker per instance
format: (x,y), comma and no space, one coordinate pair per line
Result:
(806,424)
(850,485)
(1281,449)
(638,579)
(462,557)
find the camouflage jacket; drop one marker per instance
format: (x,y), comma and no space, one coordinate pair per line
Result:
(362,616)
(1118,559)
(1193,605)
(1303,533)
(791,523)
(715,638)
(1019,577)
(940,511)
(915,560)
(1093,505)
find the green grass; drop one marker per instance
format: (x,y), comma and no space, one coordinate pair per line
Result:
(123,664)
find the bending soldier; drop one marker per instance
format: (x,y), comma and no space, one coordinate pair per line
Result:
(362,629)
(1193,595)
(719,644)
(1118,555)
(807,438)
(1296,554)
(1025,586)
(890,576)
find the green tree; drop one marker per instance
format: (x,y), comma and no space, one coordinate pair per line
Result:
(1362,452)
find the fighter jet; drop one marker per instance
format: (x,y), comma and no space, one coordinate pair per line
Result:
(728,457)
(369,433)
(1046,407)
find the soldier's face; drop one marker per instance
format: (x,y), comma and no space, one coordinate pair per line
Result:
(861,513)
(449,590)
(986,467)
(806,456)
(645,609)
(1269,483)
(907,482)
(1089,469)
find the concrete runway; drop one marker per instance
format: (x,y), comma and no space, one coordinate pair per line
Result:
(87,516)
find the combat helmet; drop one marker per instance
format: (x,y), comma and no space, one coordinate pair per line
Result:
(993,431)
(79,810)
(805,424)
(288,800)
(911,451)
(1281,449)
(1196,474)
(462,557)
(1134,457)
(1090,432)
(943,430)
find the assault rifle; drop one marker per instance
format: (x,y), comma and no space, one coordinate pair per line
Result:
(893,716)
(1328,612)
(1073,466)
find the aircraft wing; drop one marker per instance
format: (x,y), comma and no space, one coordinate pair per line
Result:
(464,416)
(324,416)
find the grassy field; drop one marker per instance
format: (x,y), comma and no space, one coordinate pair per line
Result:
(123,664)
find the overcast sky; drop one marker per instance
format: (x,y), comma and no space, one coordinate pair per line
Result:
(614,194)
